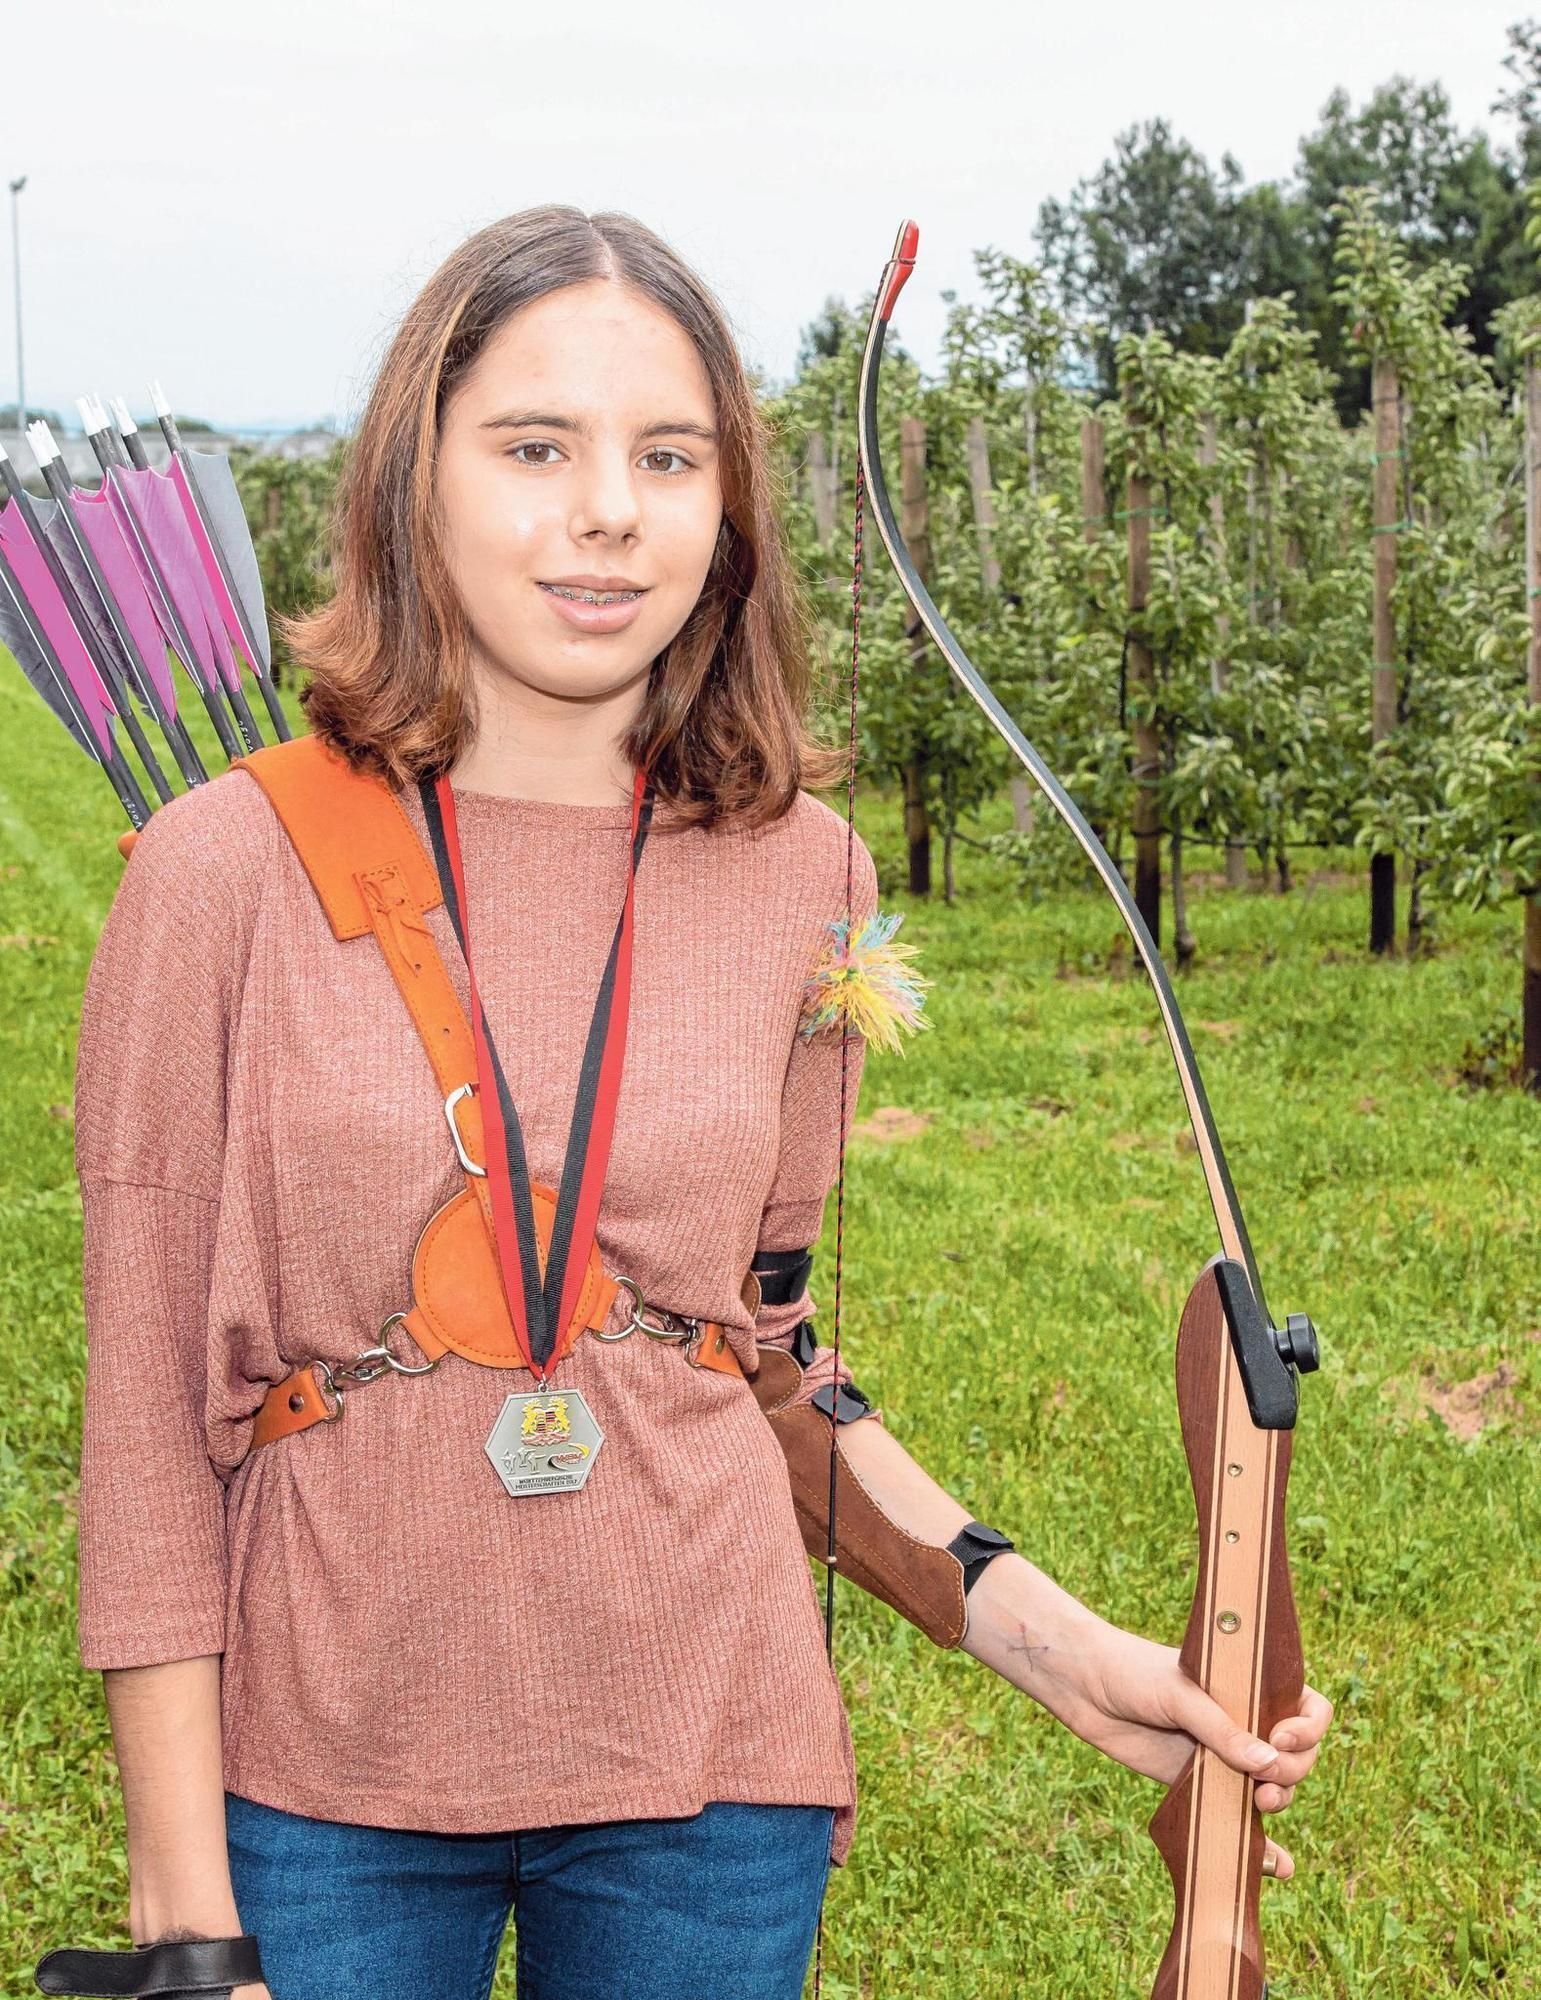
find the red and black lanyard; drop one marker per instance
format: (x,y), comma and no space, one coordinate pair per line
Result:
(541,1309)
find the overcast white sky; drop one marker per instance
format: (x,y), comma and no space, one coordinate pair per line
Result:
(241,195)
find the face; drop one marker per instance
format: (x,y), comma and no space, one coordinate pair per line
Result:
(579,458)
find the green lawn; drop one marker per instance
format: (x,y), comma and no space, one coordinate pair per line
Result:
(1015,1267)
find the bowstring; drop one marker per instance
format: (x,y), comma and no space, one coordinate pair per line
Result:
(845,1071)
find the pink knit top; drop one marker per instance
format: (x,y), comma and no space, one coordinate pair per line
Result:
(260,1140)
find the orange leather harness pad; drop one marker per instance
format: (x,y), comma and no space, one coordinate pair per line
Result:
(372,874)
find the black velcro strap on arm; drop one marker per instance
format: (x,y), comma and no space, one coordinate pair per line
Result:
(783,1274)
(804,1344)
(171,1971)
(853,1403)
(976,1546)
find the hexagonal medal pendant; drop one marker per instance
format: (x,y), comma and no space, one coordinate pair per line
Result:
(544,1442)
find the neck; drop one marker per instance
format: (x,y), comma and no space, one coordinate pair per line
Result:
(532,746)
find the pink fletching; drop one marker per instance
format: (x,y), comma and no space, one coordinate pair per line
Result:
(57,623)
(214,576)
(151,503)
(118,564)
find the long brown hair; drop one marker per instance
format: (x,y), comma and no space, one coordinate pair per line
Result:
(724,726)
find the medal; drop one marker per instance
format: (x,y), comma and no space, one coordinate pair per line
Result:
(544,1442)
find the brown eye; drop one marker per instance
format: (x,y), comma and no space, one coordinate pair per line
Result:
(663,451)
(532,444)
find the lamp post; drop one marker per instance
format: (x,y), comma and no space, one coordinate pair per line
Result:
(21,373)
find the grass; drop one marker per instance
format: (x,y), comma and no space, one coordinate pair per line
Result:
(1015,1267)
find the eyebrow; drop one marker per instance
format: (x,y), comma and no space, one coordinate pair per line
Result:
(518,420)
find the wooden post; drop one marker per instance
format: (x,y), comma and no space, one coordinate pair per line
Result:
(984,502)
(1220,666)
(1094,518)
(1030,431)
(979,482)
(1145,769)
(1383,672)
(915,524)
(821,486)
(1094,496)
(1530,1004)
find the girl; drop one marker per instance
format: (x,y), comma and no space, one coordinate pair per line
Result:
(369,1694)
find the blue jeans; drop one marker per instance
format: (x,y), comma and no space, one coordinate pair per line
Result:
(723,1902)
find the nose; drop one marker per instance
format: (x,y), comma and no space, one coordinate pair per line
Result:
(608,499)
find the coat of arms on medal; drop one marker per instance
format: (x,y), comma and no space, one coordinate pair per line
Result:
(544,1442)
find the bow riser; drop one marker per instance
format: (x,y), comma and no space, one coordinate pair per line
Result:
(1237,1389)
(1242,1646)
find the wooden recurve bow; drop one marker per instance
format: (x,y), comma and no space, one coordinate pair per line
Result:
(1237,1391)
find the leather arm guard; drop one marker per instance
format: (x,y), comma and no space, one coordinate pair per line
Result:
(923,1582)
(185,1969)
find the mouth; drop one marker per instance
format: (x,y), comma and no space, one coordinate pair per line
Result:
(575,594)
(588,608)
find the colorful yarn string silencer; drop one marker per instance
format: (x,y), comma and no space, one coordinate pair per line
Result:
(863,981)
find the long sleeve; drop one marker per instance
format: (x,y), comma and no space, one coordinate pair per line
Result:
(809,1157)
(157,1015)
(261,1144)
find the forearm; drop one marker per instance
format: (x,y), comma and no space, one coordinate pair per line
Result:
(899,1484)
(1125,1695)
(166,1731)
(1024,1625)
(1017,1616)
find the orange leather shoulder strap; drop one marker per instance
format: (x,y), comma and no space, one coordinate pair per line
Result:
(342,823)
(372,873)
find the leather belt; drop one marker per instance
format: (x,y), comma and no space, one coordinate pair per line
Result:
(313,1392)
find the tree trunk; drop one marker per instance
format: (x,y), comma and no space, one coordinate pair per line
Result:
(1184,942)
(915,525)
(1094,495)
(1220,667)
(821,487)
(1270,539)
(1383,674)
(1094,513)
(979,484)
(1145,767)
(917,829)
(984,503)
(1416,939)
(1530,1003)
(1030,432)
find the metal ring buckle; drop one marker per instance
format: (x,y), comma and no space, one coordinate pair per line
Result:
(369,1366)
(331,1389)
(623,1332)
(465,1090)
(677,1326)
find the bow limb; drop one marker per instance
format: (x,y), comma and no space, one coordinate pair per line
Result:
(1237,1385)
(1233,1230)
